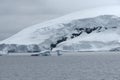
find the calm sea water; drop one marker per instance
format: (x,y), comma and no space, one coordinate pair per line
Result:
(80,67)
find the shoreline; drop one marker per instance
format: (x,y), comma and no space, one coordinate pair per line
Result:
(67,53)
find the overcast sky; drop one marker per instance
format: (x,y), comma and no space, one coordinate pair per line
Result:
(18,14)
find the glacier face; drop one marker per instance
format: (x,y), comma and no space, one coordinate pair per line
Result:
(90,30)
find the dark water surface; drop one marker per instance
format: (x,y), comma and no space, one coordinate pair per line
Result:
(82,67)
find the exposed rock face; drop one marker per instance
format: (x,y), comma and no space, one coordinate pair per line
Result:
(115,49)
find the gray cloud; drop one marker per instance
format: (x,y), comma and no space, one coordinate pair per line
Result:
(65,6)
(18,14)
(49,6)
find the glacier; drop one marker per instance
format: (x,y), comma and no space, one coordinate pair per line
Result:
(96,29)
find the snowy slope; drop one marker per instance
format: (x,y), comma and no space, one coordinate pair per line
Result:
(92,42)
(35,34)
(100,25)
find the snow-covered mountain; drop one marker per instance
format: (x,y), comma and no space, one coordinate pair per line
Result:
(95,29)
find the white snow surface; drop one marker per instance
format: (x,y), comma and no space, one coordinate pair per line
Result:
(50,31)
(103,41)
(36,34)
